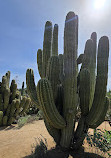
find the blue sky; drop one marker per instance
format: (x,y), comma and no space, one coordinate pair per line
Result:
(22,28)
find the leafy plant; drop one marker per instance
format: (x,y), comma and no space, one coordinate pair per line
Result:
(101,140)
(108,114)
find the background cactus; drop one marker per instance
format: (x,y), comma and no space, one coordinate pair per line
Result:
(12,103)
(22,90)
(108,114)
(62,88)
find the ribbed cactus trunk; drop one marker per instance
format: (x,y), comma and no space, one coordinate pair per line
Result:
(70,76)
(55,40)
(47,46)
(62,88)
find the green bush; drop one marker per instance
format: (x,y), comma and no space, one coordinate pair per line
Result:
(40,148)
(101,140)
(108,114)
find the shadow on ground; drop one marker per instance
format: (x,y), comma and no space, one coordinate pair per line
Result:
(57,153)
(6,128)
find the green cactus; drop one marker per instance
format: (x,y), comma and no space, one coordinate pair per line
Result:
(25,106)
(1,117)
(55,40)
(62,88)
(11,102)
(5,119)
(22,90)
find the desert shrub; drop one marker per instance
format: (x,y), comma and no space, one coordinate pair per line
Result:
(32,109)
(29,119)
(22,121)
(101,140)
(108,114)
(39,149)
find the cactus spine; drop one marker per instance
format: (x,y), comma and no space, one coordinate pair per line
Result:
(10,101)
(61,88)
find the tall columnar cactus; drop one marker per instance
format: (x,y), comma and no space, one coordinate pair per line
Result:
(22,90)
(11,102)
(62,88)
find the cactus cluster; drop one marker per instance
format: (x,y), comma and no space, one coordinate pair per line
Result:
(12,103)
(62,88)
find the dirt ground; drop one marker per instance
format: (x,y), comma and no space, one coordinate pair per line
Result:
(17,143)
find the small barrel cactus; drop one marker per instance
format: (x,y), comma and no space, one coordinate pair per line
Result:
(12,103)
(62,88)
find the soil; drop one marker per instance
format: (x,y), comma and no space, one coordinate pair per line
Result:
(17,143)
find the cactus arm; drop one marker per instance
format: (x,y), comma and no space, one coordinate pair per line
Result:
(8,78)
(22,102)
(18,95)
(22,85)
(5,119)
(89,62)
(80,133)
(45,96)
(6,97)
(94,39)
(84,91)
(59,99)
(53,74)
(84,94)
(55,41)
(93,68)
(101,81)
(1,117)
(26,105)
(17,106)
(54,132)
(102,115)
(8,110)
(77,143)
(39,62)
(0,87)
(80,59)
(61,74)
(13,108)
(1,102)
(70,78)
(47,46)
(13,89)
(22,90)
(31,87)
(3,84)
